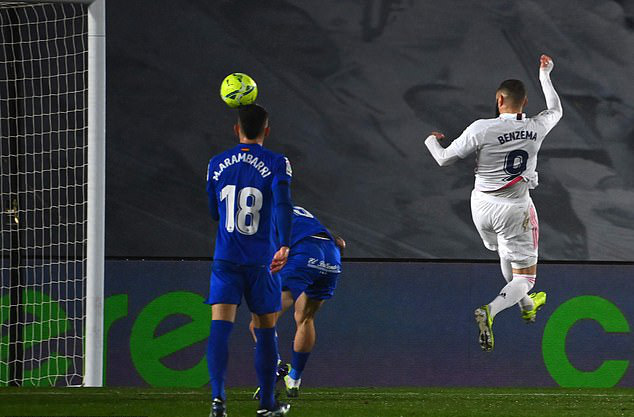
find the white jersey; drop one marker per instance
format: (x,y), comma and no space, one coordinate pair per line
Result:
(506,150)
(506,147)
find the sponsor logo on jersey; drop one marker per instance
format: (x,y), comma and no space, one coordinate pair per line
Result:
(245,158)
(521,135)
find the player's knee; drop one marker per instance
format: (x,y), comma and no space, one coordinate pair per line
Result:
(524,263)
(264,321)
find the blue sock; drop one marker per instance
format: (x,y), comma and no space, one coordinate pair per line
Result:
(298,363)
(217,356)
(266,365)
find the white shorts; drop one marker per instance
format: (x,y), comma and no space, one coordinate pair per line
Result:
(508,226)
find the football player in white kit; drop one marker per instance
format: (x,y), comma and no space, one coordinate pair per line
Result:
(506,157)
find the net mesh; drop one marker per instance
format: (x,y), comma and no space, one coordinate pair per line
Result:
(43,184)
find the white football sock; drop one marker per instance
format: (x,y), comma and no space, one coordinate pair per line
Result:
(512,293)
(526,303)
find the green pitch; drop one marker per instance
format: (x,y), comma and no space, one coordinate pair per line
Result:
(353,402)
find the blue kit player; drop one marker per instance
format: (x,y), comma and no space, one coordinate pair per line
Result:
(248,186)
(308,279)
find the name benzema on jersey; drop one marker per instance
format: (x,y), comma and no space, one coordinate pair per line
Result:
(520,135)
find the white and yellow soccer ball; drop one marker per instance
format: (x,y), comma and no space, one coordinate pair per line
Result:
(238,89)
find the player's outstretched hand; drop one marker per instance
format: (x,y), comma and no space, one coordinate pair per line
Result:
(279,259)
(438,135)
(546,63)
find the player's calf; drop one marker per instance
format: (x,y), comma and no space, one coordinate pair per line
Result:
(512,293)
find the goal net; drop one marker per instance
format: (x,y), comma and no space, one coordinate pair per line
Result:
(44,187)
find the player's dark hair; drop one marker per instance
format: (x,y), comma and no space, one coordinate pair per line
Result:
(514,90)
(252,119)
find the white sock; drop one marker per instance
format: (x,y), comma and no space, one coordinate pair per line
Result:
(512,293)
(526,303)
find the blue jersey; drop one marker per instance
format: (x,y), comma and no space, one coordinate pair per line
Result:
(240,185)
(305,224)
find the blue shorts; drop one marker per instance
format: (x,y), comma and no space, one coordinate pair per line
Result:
(229,282)
(313,267)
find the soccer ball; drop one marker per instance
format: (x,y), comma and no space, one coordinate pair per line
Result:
(238,89)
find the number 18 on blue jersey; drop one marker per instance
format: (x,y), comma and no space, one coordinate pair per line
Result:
(240,184)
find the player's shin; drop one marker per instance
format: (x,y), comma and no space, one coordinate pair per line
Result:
(266,355)
(302,346)
(217,356)
(512,293)
(526,303)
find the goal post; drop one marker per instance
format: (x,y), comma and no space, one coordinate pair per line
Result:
(93,368)
(52,192)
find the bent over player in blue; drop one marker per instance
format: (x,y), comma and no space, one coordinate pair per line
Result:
(248,186)
(308,279)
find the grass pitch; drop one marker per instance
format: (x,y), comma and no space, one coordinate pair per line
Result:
(336,402)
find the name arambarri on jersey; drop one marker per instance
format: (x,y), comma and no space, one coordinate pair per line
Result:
(246,158)
(521,135)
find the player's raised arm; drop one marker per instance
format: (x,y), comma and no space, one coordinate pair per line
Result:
(553,103)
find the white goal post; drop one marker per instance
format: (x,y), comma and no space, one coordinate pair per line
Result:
(93,371)
(52,191)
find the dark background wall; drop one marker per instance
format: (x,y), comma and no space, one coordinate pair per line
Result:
(353,87)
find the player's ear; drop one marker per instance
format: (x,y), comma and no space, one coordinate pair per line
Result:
(525,102)
(500,100)
(236,130)
(267,131)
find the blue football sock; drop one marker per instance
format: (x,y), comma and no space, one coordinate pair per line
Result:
(266,365)
(279,357)
(298,363)
(217,356)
